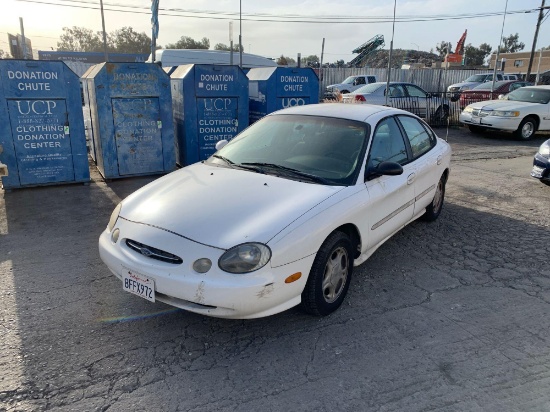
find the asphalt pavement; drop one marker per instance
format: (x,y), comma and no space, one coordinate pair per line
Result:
(452,315)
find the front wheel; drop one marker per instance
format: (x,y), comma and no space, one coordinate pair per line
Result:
(526,129)
(434,208)
(330,276)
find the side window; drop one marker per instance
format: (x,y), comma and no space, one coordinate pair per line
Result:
(387,144)
(360,80)
(415,91)
(420,139)
(396,91)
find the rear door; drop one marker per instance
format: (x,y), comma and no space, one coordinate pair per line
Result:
(425,173)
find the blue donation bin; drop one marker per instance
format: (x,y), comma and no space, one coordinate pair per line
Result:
(275,88)
(42,138)
(131,128)
(210,104)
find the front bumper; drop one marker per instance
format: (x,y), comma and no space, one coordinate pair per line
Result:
(491,122)
(541,168)
(215,293)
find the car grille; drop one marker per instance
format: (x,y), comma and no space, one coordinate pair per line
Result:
(480,112)
(153,253)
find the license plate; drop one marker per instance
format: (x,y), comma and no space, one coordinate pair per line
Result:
(537,172)
(138,284)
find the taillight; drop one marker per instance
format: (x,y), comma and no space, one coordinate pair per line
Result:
(360,98)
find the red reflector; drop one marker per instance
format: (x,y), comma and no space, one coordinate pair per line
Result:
(360,98)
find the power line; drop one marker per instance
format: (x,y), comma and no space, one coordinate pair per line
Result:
(265,17)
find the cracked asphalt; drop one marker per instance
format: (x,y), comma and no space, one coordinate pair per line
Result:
(447,316)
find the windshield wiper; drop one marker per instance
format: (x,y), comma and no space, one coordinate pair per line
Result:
(290,170)
(225,159)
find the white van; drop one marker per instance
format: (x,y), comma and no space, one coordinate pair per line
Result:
(177,57)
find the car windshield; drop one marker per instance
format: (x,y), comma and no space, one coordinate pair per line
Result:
(313,149)
(530,95)
(349,80)
(369,88)
(477,78)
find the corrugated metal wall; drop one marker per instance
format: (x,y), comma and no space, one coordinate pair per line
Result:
(431,80)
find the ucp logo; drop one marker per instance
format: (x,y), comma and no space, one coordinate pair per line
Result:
(293,101)
(40,107)
(217,104)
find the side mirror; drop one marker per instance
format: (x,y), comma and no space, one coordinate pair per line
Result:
(384,169)
(221,144)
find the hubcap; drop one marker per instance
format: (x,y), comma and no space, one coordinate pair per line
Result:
(336,274)
(527,129)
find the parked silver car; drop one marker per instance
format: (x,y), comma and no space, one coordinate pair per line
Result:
(405,96)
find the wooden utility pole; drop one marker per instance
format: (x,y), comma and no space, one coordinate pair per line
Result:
(541,15)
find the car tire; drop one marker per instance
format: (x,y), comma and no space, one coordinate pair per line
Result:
(546,182)
(527,128)
(436,205)
(330,276)
(476,129)
(344,91)
(441,114)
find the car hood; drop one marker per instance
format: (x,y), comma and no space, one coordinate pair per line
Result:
(463,84)
(503,104)
(223,207)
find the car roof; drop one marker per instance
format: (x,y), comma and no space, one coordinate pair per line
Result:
(358,112)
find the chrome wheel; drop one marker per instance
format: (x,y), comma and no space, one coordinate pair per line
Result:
(336,273)
(527,130)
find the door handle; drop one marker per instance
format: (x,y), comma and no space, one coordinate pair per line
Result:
(410,178)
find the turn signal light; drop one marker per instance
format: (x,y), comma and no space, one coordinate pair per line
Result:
(294,277)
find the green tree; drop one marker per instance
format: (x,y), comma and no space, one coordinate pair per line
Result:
(286,61)
(186,42)
(443,48)
(511,44)
(80,39)
(311,61)
(126,40)
(225,47)
(475,56)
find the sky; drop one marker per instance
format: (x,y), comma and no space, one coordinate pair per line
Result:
(272,28)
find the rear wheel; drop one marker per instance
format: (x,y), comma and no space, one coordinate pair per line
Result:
(527,128)
(434,208)
(330,275)
(441,114)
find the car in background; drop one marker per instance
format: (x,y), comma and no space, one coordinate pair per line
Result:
(405,96)
(483,91)
(281,214)
(541,163)
(472,82)
(334,91)
(522,112)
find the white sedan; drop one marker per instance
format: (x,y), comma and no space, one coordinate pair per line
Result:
(523,112)
(281,214)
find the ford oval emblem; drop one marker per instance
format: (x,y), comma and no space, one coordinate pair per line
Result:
(145,252)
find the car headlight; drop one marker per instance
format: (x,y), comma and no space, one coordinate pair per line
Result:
(114,217)
(544,149)
(468,109)
(245,258)
(504,113)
